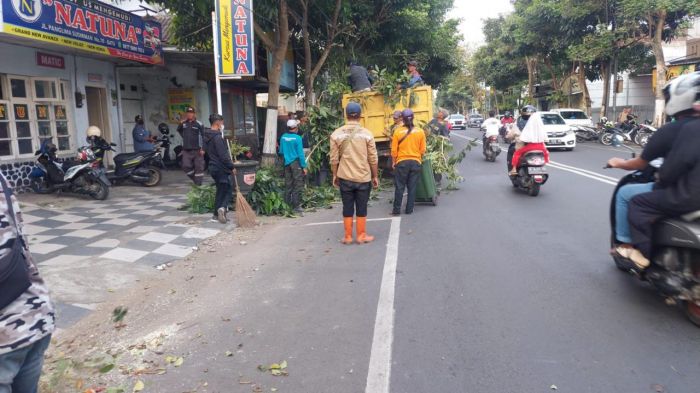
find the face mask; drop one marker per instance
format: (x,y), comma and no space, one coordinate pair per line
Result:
(223,127)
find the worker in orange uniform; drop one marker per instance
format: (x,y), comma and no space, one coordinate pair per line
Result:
(355,167)
(408,146)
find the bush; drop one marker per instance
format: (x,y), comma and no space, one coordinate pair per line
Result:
(200,199)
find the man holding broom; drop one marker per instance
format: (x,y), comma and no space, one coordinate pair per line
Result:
(354,163)
(220,166)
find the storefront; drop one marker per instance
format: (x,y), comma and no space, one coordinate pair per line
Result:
(58,75)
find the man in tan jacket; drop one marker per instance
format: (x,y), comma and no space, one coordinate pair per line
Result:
(354,164)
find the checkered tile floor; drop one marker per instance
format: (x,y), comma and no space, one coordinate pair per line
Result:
(142,228)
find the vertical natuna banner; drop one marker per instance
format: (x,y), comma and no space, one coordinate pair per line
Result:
(236,38)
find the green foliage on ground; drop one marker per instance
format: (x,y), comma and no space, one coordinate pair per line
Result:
(200,199)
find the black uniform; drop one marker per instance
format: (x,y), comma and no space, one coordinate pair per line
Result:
(192,133)
(220,167)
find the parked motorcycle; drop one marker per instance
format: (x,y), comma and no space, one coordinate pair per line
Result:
(531,173)
(140,167)
(675,264)
(586,134)
(645,131)
(80,177)
(165,143)
(491,148)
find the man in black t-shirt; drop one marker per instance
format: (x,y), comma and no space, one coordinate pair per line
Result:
(649,202)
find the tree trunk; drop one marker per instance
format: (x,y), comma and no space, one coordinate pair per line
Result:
(586,101)
(605,70)
(308,79)
(273,93)
(530,63)
(656,42)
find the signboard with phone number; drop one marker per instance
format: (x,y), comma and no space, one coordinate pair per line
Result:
(87,25)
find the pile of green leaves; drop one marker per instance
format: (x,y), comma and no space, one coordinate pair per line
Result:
(440,151)
(319,197)
(267,195)
(200,199)
(388,84)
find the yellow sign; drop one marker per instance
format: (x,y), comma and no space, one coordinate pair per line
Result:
(54,39)
(226,37)
(673,72)
(178,101)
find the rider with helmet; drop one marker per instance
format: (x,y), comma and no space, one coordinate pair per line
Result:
(677,191)
(97,144)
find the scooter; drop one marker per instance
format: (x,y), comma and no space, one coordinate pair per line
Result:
(586,134)
(81,177)
(675,264)
(531,173)
(140,167)
(491,148)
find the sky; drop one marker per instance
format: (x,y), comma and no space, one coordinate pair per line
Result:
(472,12)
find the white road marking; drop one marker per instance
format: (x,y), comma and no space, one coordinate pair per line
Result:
(314,224)
(584,174)
(379,375)
(585,171)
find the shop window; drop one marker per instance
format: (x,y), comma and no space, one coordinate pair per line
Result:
(238,115)
(249,114)
(45,89)
(5,132)
(24,129)
(18,86)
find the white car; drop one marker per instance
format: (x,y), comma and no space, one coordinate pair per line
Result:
(560,134)
(457,121)
(575,117)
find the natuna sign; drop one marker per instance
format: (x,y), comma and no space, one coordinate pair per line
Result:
(84,24)
(236,36)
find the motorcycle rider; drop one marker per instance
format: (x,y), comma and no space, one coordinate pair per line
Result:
(505,121)
(532,138)
(659,146)
(192,132)
(97,143)
(143,141)
(525,114)
(490,126)
(677,191)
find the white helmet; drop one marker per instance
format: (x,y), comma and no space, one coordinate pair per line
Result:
(93,131)
(682,93)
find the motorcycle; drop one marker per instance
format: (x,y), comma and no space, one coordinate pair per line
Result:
(491,148)
(81,177)
(586,134)
(643,134)
(531,173)
(675,264)
(139,167)
(165,143)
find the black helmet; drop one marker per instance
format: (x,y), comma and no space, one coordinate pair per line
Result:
(138,119)
(508,114)
(163,128)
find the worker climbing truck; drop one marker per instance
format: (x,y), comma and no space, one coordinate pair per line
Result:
(377,111)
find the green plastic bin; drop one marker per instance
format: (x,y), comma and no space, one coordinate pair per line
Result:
(426,191)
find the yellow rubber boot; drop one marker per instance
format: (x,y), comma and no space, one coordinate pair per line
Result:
(347,223)
(362,236)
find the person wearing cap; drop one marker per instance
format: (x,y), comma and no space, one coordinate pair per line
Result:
(355,168)
(192,133)
(359,79)
(220,166)
(143,141)
(292,151)
(398,122)
(408,146)
(415,79)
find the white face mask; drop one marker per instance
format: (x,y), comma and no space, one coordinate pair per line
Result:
(223,127)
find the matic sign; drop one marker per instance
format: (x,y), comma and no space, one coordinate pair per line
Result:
(84,24)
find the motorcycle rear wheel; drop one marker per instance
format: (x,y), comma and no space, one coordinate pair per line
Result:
(606,138)
(155,177)
(102,192)
(534,190)
(39,186)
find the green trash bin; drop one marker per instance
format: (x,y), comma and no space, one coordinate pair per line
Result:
(426,191)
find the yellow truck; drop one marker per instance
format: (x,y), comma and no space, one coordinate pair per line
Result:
(377,113)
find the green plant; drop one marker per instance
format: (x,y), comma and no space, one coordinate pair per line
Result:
(323,120)
(440,152)
(267,195)
(200,199)
(237,149)
(319,197)
(388,84)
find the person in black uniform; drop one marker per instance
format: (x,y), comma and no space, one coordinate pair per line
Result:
(192,133)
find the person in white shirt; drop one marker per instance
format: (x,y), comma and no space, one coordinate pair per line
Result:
(491,127)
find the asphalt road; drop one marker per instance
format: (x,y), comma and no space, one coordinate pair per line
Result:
(492,291)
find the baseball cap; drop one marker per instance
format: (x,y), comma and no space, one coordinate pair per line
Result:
(397,114)
(292,123)
(353,108)
(189,109)
(413,63)
(138,118)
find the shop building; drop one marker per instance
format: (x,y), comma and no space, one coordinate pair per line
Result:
(59,74)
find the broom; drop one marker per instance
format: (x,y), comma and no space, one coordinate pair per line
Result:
(245,215)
